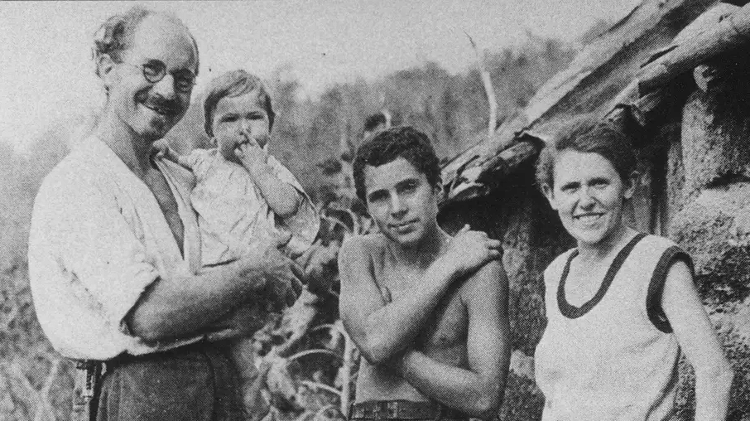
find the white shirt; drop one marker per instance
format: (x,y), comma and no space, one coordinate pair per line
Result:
(98,239)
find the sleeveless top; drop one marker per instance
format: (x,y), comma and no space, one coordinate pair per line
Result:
(615,357)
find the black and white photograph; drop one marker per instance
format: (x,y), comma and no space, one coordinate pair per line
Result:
(331,210)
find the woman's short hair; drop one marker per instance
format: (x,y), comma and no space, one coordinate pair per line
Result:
(588,135)
(388,145)
(233,84)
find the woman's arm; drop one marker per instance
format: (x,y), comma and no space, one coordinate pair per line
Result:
(698,340)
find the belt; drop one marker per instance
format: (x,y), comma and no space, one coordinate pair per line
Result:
(403,410)
(122,359)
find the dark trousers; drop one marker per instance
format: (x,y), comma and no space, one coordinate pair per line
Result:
(193,383)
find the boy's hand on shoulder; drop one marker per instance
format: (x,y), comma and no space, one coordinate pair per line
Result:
(469,250)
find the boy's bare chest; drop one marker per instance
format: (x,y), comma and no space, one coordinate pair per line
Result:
(447,326)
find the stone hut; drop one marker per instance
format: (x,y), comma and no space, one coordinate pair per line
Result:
(672,74)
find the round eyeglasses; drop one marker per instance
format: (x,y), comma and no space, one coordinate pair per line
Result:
(155,70)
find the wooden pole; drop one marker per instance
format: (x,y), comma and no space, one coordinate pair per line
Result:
(346,369)
(488,88)
(725,35)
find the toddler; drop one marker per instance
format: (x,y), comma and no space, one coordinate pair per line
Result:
(243,195)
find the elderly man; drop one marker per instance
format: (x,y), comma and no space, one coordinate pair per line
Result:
(114,249)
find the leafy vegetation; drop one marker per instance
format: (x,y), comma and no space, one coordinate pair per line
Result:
(309,360)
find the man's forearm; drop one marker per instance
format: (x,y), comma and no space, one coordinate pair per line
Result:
(456,387)
(181,307)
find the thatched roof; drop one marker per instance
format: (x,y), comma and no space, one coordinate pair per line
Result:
(621,74)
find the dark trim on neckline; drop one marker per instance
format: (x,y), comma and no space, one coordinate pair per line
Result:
(572,312)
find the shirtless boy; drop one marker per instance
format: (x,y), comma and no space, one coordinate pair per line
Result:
(427,311)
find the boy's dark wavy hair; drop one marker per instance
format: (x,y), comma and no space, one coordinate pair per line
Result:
(405,142)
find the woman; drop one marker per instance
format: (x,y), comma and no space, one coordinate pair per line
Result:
(622,304)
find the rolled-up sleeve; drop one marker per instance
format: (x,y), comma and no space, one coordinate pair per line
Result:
(305,223)
(95,245)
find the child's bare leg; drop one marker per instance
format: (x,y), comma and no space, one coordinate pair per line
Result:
(251,380)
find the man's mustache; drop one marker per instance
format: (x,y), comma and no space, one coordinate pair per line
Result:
(170,106)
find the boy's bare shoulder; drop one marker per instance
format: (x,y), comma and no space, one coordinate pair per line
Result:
(486,281)
(360,255)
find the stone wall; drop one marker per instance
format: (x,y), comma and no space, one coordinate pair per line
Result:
(532,236)
(713,225)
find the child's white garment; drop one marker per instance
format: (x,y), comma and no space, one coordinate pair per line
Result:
(232,213)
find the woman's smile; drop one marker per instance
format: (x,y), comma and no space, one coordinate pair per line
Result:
(589,196)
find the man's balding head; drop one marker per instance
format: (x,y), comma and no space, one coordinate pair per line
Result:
(147,62)
(115,35)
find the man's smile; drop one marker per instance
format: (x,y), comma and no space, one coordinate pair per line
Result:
(157,109)
(162,107)
(588,217)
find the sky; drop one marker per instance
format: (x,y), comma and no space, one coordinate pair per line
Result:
(46,74)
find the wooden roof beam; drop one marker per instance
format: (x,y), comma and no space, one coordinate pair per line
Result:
(724,30)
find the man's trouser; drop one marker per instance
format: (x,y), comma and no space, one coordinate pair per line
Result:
(193,383)
(403,410)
